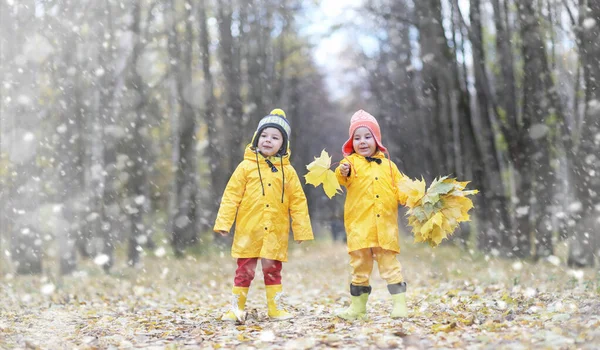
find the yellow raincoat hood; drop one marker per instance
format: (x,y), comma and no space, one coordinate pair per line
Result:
(371,207)
(264,201)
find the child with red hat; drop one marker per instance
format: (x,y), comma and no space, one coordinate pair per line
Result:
(261,196)
(371,215)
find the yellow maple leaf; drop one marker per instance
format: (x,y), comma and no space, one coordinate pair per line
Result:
(411,191)
(319,173)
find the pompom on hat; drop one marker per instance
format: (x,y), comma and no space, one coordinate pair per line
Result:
(363,119)
(276,119)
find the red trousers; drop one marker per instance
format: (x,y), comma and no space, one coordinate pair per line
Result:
(247,267)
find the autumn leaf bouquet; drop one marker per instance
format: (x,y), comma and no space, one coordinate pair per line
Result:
(433,213)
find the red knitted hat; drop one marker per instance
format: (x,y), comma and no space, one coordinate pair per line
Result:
(362,118)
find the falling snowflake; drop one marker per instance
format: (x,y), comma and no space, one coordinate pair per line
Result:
(589,23)
(160,252)
(101,259)
(517,266)
(48,289)
(554,260)
(139,200)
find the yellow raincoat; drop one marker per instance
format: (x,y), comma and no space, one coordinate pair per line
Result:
(263,218)
(371,208)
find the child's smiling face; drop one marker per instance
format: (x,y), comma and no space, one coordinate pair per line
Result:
(363,142)
(270,141)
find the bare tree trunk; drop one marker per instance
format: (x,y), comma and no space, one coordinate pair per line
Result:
(215,157)
(70,166)
(584,155)
(184,223)
(496,226)
(256,63)
(137,192)
(541,105)
(229,49)
(24,194)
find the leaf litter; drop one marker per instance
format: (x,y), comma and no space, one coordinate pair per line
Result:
(455,300)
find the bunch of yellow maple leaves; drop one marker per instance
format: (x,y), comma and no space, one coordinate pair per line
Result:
(434,213)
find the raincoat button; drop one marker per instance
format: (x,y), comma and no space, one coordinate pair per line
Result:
(377,196)
(266,228)
(376,178)
(377,215)
(267,205)
(269,184)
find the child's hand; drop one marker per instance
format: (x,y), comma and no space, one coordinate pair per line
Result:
(223,233)
(344,169)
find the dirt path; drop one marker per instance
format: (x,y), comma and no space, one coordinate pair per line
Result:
(456,300)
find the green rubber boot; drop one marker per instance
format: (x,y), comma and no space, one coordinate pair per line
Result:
(398,292)
(358,305)
(399,310)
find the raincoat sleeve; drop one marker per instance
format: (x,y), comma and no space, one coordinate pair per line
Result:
(301,226)
(231,199)
(400,195)
(343,180)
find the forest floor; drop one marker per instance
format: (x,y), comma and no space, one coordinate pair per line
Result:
(456,299)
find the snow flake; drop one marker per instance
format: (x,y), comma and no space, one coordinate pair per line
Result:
(589,23)
(577,274)
(139,200)
(48,289)
(101,259)
(554,260)
(160,252)
(522,211)
(182,221)
(517,266)
(428,58)
(92,216)
(24,100)
(61,129)
(575,207)
(537,131)
(28,136)
(141,239)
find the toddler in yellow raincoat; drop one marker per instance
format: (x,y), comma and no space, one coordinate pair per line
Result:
(371,215)
(261,195)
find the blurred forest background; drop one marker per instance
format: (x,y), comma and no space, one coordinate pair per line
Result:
(122,120)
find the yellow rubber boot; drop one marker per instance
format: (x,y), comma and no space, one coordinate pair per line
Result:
(274,303)
(399,310)
(238,303)
(357,309)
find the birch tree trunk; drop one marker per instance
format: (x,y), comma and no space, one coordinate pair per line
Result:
(184,222)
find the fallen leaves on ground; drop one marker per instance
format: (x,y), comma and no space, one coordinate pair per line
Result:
(456,299)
